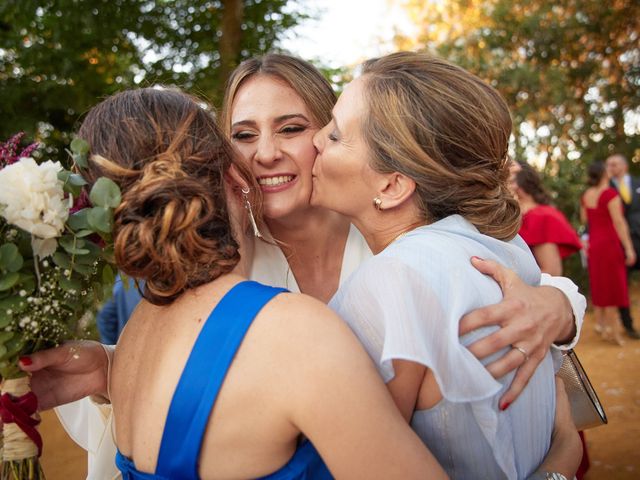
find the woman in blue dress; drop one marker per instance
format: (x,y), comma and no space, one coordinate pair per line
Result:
(416,157)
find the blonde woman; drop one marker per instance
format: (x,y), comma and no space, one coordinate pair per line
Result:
(416,157)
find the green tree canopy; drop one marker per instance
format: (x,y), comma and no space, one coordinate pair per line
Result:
(570,69)
(60,57)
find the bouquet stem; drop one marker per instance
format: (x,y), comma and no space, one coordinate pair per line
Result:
(22,442)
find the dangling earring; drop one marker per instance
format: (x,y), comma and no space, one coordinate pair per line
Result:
(247,205)
(377,203)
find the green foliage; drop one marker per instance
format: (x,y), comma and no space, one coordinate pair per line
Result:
(42,300)
(60,57)
(569,69)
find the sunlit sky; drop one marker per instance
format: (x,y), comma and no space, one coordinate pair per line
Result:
(346,32)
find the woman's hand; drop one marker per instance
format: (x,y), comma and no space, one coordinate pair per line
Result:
(531,319)
(630,257)
(68,373)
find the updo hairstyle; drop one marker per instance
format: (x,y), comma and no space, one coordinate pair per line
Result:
(530,182)
(305,79)
(447,130)
(164,150)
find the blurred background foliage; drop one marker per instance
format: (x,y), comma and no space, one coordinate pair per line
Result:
(570,69)
(60,57)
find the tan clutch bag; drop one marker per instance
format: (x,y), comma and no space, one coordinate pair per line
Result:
(586,409)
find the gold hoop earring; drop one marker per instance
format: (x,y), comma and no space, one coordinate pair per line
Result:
(247,206)
(377,203)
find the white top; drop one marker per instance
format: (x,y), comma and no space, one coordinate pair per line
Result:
(89,425)
(406,303)
(270,266)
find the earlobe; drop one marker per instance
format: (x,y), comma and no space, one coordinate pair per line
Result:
(398,189)
(236,178)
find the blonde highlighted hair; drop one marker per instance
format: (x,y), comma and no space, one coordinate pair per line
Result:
(447,130)
(305,79)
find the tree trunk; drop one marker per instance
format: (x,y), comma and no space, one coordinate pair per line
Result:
(232,16)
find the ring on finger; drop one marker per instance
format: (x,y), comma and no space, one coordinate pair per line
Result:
(522,351)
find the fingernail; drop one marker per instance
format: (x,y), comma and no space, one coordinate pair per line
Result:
(26,361)
(476,258)
(504,406)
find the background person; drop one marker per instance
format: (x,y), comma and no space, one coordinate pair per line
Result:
(628,188)
(115,312)
(544,228)
(610,249)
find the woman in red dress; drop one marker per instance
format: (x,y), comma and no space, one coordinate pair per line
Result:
(544,228)
(610,249)
(550,237)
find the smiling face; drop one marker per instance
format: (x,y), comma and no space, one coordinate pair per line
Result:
(272,128)
(343,180)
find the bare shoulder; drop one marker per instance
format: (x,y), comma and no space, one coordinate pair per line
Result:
(308,331)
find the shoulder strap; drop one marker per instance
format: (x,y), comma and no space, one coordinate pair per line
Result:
(203,375)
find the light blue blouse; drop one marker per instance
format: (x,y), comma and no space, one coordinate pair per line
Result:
(406,303)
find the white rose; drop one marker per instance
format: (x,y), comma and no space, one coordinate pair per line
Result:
(32,198)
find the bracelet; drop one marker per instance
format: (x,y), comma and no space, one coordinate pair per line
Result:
(538,475)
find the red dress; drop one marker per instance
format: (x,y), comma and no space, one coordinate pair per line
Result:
(607,270)
(546,224)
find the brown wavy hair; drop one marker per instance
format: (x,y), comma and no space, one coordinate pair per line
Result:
(447,130)
(305,79)
(165,151)
(530,182)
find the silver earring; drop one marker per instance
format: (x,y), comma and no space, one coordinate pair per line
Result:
(377,203)
(247,205)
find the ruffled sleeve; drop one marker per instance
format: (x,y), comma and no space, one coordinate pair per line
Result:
(545,224)
(397,314)
(608,195)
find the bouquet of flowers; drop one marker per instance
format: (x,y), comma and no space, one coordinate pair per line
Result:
(55,267)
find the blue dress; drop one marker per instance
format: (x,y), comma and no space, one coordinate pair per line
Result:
(198,388)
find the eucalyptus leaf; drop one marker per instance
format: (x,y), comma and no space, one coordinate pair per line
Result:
(80,160)
(79,220)
(13,346)
(13,303)
(105,193)
(3,350)
(69,186)
(84,233)
(8,280)
(71,284)
(99,218)
(10,258)
(5,337)
(83,269)
(77,180)
(5,318)
(62,259)
(108,275)
(78,145)
(73,245)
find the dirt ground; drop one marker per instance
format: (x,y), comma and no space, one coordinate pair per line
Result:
(614,449)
